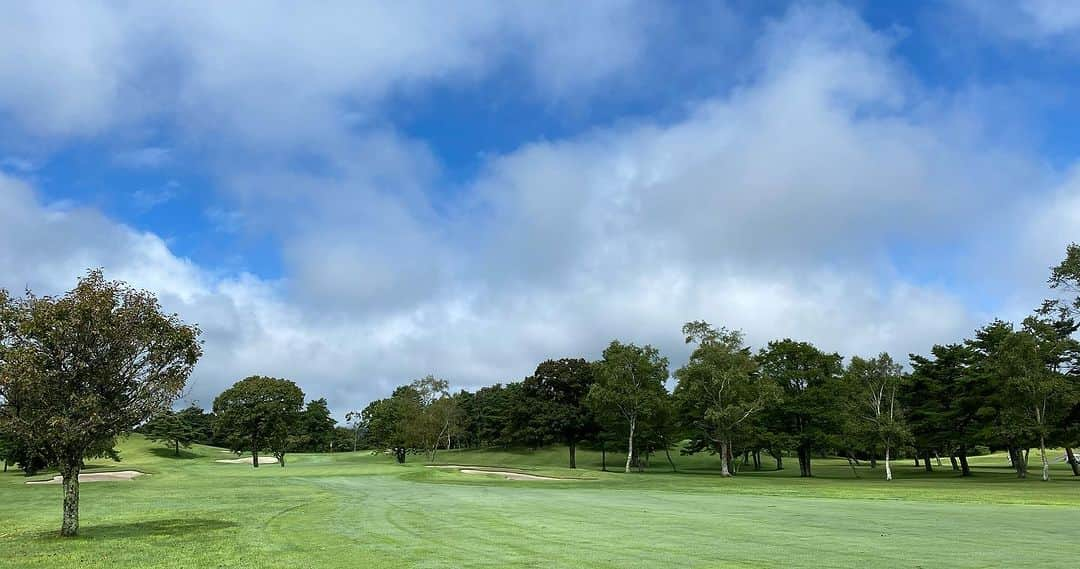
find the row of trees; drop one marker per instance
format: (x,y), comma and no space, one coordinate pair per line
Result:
(1008,387)
(257,414)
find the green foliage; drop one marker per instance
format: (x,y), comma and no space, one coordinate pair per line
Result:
(875,410)
(176,430)
(259,413)
(629,386)
(811,392)
(555,395)
(78,370)
(720,392)
(315,431)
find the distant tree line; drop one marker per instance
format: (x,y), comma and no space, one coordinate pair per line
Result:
(1008,387)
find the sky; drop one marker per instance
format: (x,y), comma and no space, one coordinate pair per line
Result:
(353,195)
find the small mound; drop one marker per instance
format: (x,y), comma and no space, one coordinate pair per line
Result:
(249,460)
(121,476)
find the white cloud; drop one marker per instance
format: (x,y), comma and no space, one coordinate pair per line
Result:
(266,73)
(1043,23)
(778,207)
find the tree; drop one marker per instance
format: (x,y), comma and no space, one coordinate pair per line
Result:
(1033,361)
(557,391)
(80,369)
(382,421)
(1065,278)
(630,383)
(259,413)
(174,429)
(1004,418)
(355,419)
(431,419)
(809,379)
(720,390)
(876,382)
(315,431)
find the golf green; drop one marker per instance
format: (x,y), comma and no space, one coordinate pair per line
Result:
(362,510)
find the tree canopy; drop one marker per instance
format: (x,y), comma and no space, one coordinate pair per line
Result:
(80,369)
(259,413)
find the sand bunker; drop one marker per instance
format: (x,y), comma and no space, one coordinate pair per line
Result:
(506,474)
(511,475)
(123,475)
(249,460)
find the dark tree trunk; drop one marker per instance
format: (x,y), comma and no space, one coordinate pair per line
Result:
(255,458)
(1019,462)
(851,463)
(70,525)
(1073,461)
(952,459)
(603,456)
(804,462)
(873,461)
(926,462)
(667,452)
(176,448)
(573,454)
(965,470)
(757,460)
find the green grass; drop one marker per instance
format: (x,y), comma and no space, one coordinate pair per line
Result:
(359,510)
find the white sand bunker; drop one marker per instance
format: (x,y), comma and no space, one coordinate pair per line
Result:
(505,474)
(249,460)
(511,475)
(123,475)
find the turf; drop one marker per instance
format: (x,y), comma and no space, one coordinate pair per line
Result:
(361,510)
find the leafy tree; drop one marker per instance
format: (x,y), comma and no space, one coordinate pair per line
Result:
(384,420)
(946,402)
(355,419)
(258,413)
(1033,362)
(1004,419)
(78,370)
(1065,279)
(433,417)
(557,392)
(315,431)
(630,384)
(720,390)
(174,429)
(876,383)
(810,382)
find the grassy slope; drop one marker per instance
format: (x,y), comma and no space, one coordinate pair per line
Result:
(350,510)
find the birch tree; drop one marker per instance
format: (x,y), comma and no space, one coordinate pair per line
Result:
(876,382)
(720,389)
(630,383)
(1035,361)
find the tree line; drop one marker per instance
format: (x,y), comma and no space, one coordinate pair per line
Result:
(1008,387)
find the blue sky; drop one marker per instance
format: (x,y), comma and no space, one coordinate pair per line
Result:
(357,194)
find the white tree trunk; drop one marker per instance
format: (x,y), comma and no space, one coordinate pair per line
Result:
(1045,463)
(888,466)
(630,447)
(724,471)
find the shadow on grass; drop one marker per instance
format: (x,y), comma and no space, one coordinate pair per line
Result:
(170,453)
(149,528)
